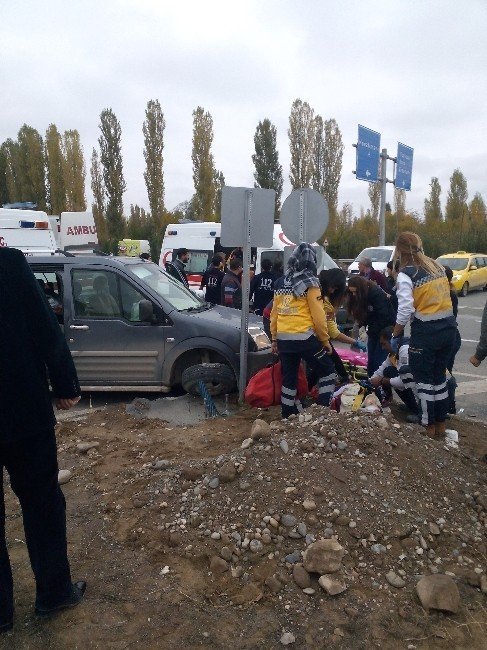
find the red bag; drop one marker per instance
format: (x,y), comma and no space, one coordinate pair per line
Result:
(264,389)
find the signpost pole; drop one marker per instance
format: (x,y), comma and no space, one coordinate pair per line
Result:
(382,214)
(244,324)
(301,216)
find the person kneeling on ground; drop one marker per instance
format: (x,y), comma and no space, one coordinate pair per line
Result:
(395,372)
(299,330)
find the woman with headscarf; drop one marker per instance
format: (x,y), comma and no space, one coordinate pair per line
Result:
(299,330)
(423,295)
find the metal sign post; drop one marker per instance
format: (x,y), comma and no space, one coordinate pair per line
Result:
(247,221)
(383,189)
(368,157)
(244,322)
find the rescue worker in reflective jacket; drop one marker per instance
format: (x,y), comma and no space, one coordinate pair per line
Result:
(299,330)
(423,295)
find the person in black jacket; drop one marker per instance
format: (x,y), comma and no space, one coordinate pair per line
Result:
(176,268)
(231,285)
(262,287)
(33,348)
(212,280)
(369,305)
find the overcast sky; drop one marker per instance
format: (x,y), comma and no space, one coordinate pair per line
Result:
(414,70)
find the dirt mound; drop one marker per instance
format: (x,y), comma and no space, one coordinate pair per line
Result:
(312,532)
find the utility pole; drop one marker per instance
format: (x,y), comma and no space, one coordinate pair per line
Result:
(368,146)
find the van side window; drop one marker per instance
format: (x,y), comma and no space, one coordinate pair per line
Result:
(131,298)
(103,294)
(95,294)
(51,285)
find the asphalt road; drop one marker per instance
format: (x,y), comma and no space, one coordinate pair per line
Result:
(472,382)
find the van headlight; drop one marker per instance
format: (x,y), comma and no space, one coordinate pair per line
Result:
(456,277)
(259,337)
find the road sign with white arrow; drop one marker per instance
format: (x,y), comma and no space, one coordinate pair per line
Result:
(368,154)
(404,166)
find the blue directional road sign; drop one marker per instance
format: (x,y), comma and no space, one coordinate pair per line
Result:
(368,154)
(404,166)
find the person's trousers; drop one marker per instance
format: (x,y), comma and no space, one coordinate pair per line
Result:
(376,355)
(291,353)
(32,466)
(407,394)
(430,349)
(456,346)
(339,368)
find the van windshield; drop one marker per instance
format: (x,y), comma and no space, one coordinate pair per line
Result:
(167,287)
(376,254)
(455,263)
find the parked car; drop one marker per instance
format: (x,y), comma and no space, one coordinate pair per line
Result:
(131,326)
(469,270)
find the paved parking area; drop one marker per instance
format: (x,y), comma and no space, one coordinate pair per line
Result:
(472,382)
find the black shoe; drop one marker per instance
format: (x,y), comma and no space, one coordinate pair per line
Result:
(6,625)
(76,596)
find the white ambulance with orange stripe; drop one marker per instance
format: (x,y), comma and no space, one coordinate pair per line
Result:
(28,230)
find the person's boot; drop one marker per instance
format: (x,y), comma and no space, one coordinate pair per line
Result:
(440,428)
(430,431)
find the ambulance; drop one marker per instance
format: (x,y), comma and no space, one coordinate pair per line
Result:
(28,230)
(202,239)
(77,233)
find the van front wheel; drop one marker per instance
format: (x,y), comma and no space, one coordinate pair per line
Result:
(464,290)
(218,378)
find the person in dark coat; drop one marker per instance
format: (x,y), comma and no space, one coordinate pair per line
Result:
(262,287)
(368,272)
(212,280)
(369,305)
(231,287)
(176,268)
(33,349)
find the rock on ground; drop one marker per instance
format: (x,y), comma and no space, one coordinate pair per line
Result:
(323,556)
(439,592)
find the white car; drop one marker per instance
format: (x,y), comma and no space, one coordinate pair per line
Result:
(379,255)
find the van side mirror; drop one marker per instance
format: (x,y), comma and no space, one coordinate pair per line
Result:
(472,268)
(146,311)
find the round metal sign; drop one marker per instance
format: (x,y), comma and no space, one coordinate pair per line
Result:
(304,216)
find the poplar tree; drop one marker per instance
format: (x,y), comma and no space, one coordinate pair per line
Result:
(98,191)
(478,212)
(111,160)
(456,203)
(268,171)
(204,172)
(333,167)
(55,171)
(74,171)
(31,166)
(139,225)
(399,202)
(10,151)
(3,176)
(432,205)
(374,190)
(301,134)
(153,130)
(219,181)
(319,169)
